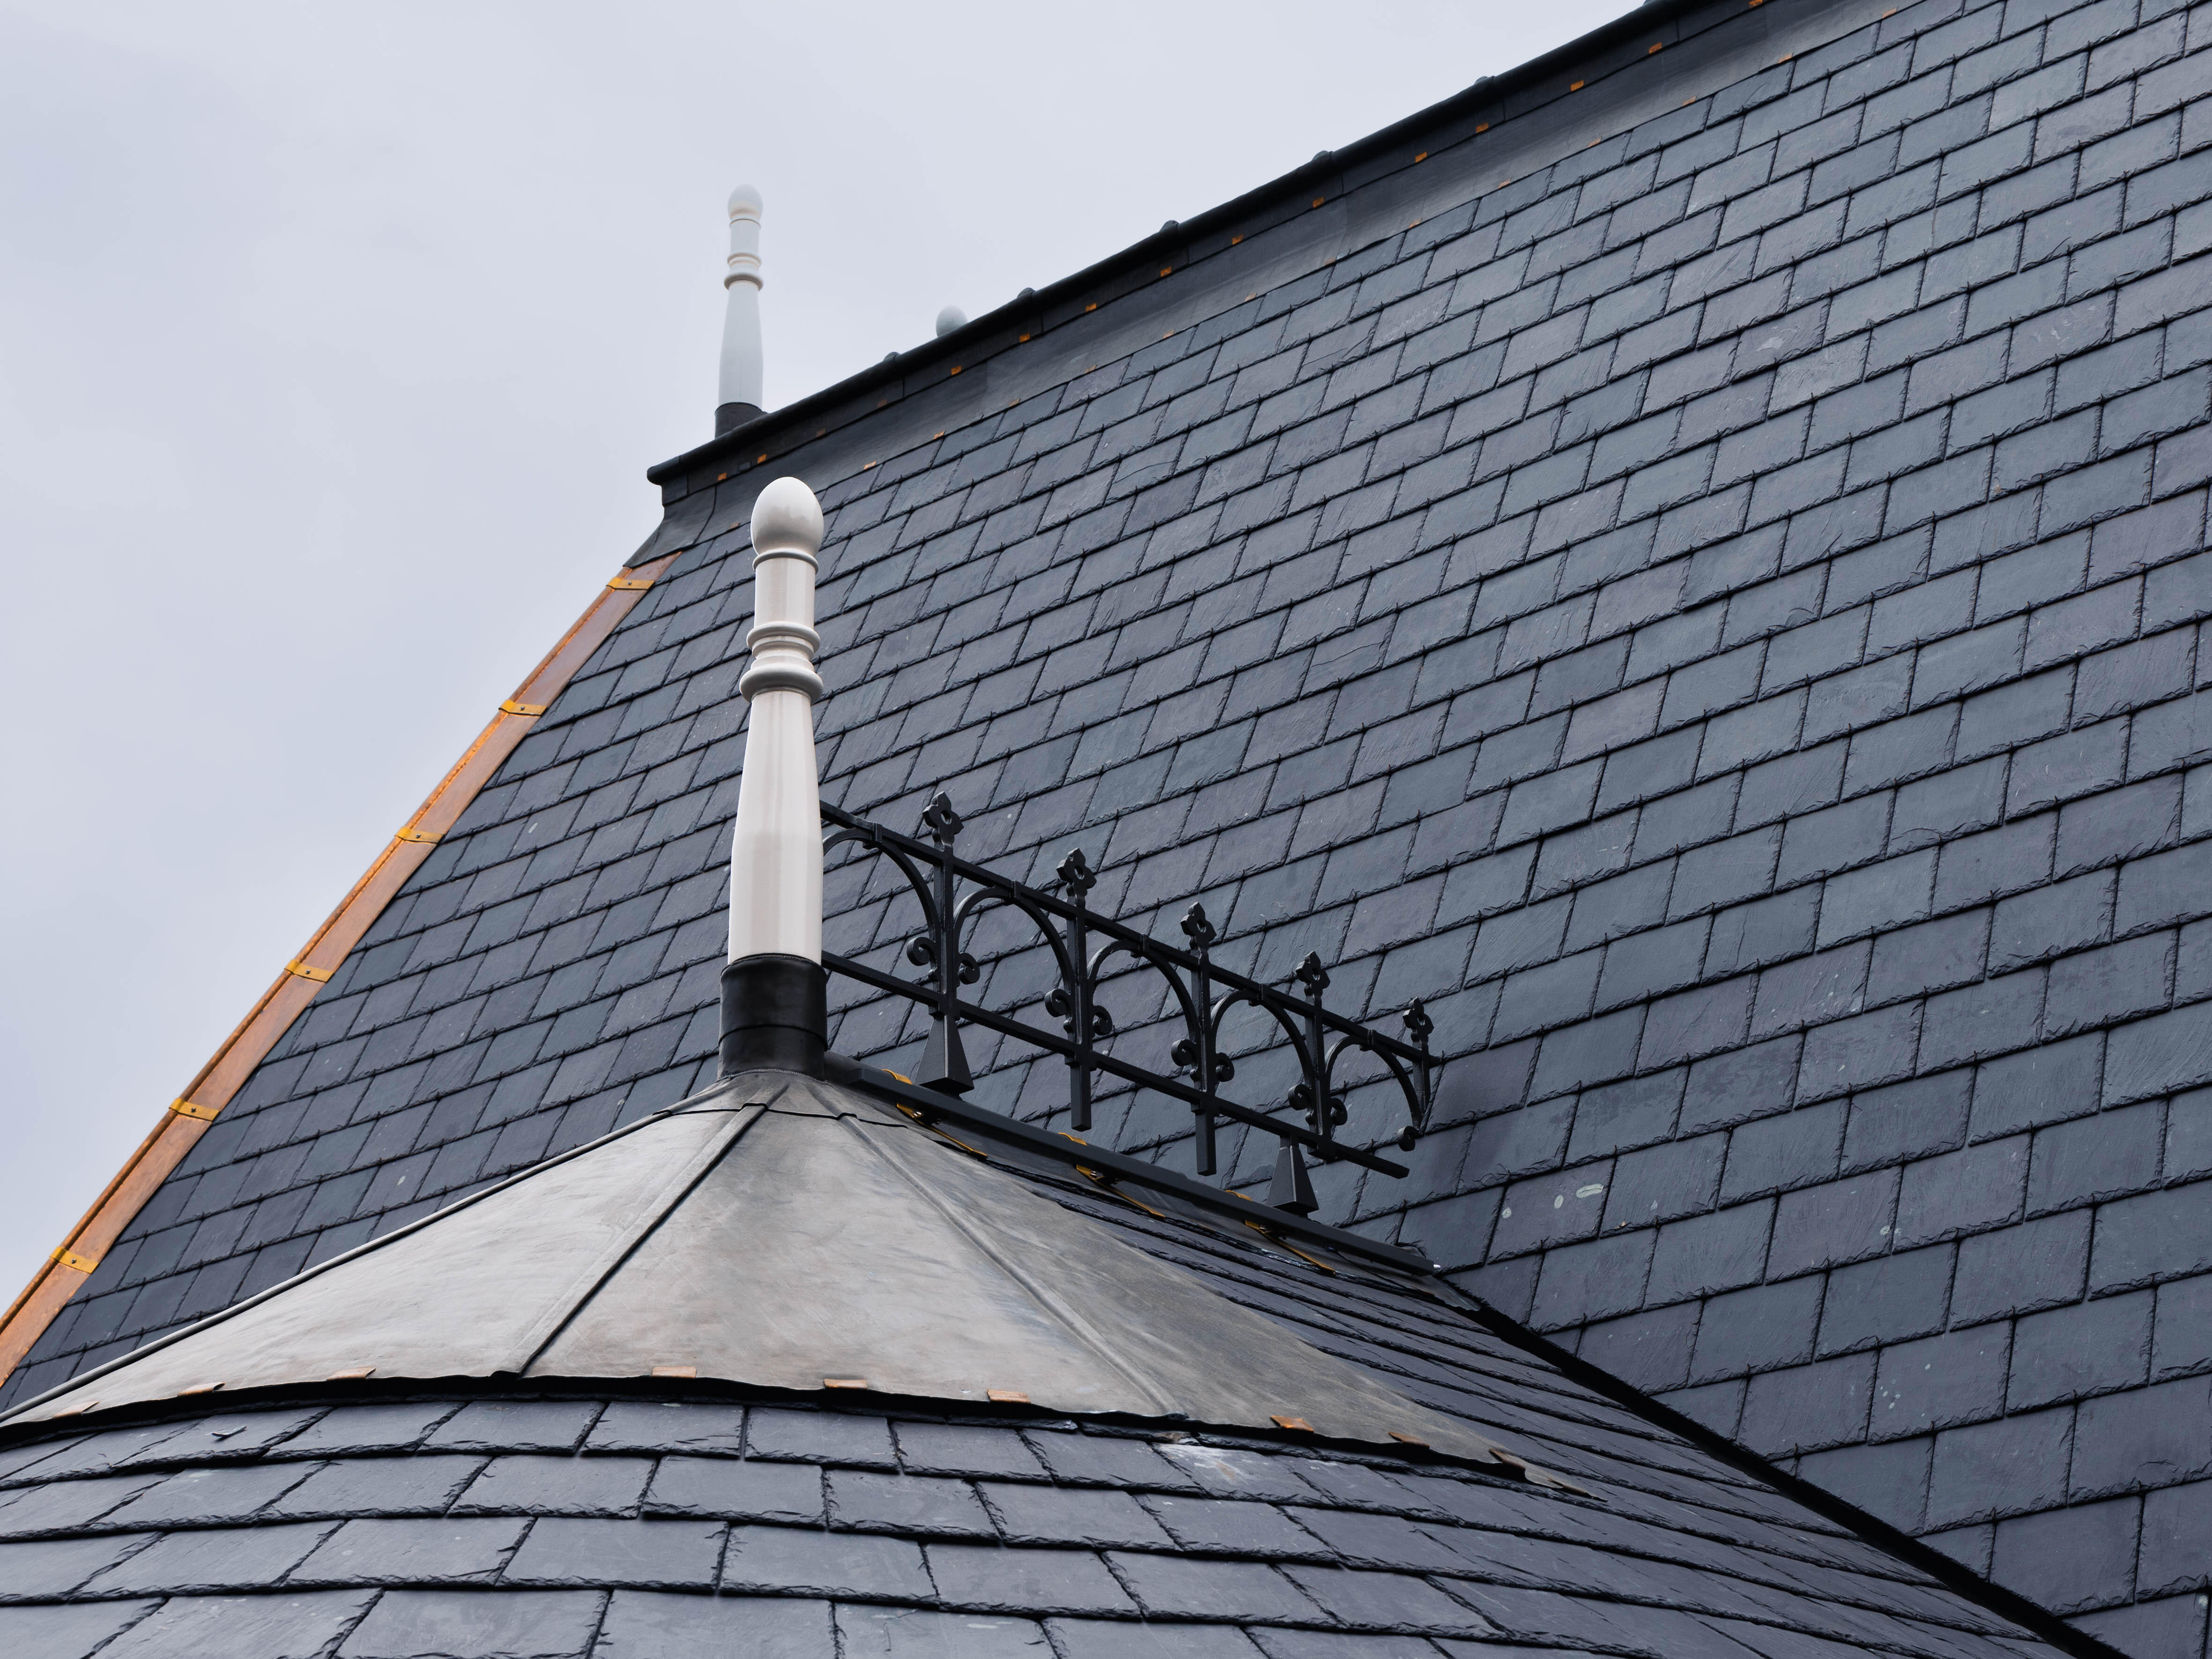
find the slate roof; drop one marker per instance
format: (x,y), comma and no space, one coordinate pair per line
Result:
(485,1520)
(1717,613)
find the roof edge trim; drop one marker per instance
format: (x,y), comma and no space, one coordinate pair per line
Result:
(217,1083)
(1953,1575)
(860,1403)
(1517,91)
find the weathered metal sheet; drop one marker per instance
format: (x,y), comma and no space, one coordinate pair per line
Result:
(784,1233)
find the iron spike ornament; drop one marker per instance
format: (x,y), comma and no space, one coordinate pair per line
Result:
(945,1061)
(1083,949)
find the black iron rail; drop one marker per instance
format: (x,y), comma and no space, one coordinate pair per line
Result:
(1086,948)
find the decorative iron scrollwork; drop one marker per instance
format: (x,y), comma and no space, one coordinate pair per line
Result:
(1086,948)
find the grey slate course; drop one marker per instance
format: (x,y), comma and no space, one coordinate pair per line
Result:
(1806,561)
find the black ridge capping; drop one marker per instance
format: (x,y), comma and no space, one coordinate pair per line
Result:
(1610,47)
(1953,1575)
(1063,1149)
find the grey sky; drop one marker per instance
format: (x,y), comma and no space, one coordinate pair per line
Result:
(334,342)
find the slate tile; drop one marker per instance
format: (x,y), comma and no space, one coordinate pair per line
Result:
(1030,1580)
(55,1566)
(556,1485)
(546,1425)
(641,1425)
(2012,1467)
(1233,1528)
(524,1624)
(1378,1598)
(1889,1480)
(2172,1519)
(1109,1460)
(68,1505)
(666,1626)
(284,1627)
(789,1494)
(1095,1638)
(2148,1438)
(834,1437)
(1966,1191)
(375,1551)
(1706,1254)
(1650,1350)
(66,1630)
(379,1486)
(1759,1329)
(1593,1279)
(911,1504)
(1058,1515)
(1829,1224)
(227,1436)
(2107,1156)
(1665,1181)
(2090,1348)
(586,1554)
(1245,1592)
(1886,1300)
(1808,1406)
(785,1560)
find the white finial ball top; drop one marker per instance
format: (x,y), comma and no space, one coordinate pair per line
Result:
(950,318)
(787,518)
(746,202)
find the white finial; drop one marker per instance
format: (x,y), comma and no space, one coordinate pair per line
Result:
(775,853)
(950,318)
(741,394)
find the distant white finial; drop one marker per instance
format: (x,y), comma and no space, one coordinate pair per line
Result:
(741,394)
(950,318)
(775,853)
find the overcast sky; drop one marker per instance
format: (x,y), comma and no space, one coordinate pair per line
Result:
(334,344)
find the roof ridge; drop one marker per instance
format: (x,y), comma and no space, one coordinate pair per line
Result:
(1593,59)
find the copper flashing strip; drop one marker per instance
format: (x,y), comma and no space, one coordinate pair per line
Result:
(265,1024)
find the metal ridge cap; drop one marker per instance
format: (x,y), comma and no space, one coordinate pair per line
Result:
(1054,1145)
(1637,21)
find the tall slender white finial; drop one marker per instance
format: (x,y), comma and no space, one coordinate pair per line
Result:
(775,859)
(740,398)
(774,1008)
